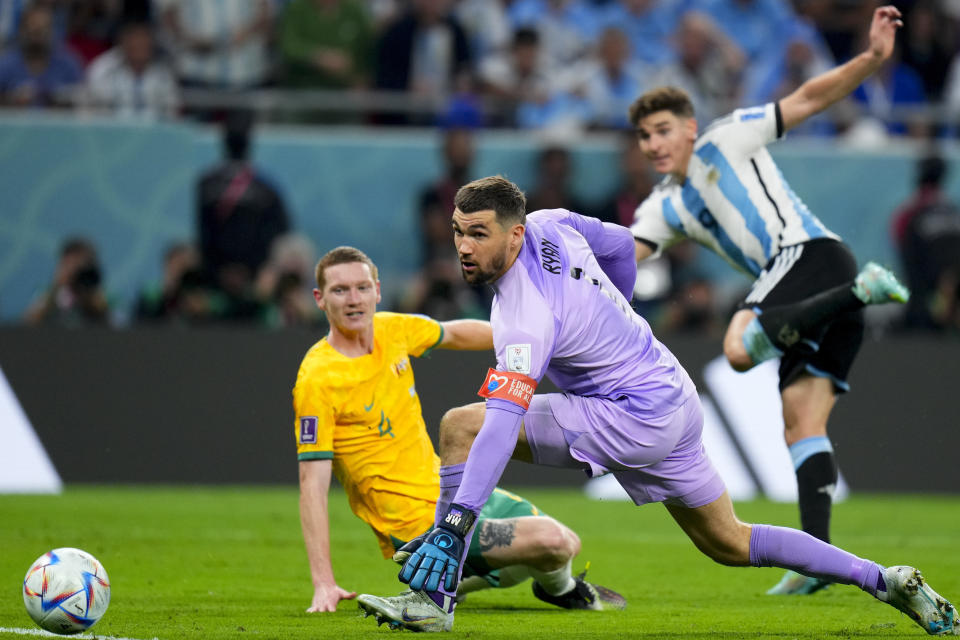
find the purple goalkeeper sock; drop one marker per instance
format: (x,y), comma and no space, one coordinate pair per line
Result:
(450,477)
(791,549)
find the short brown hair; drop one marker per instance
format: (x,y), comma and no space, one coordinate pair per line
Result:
(672,99)
(342,255)
(495,193)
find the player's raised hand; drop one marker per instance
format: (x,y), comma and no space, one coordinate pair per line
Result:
(883,31)
(326,597)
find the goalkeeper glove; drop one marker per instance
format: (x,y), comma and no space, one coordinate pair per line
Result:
(400,555)
(440,553)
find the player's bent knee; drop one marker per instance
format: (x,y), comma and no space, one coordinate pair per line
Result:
(555,543)
(458,428)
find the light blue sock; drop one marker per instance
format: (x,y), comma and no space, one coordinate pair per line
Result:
(803,449)
(758,344)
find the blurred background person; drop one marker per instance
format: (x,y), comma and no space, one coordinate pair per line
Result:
(802,55)
(219,45)
(517,78)
(553,186)
(635,183)
(132,79)
(326,44)
(183,296)
(611,80)
(239,214)
(649,25)
(422,52)
(76,296)
(436,200)
(926,231)
(38,71)
(708,66)
(567,28)
(285,283)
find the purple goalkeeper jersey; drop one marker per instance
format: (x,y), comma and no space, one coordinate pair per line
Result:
(562,310)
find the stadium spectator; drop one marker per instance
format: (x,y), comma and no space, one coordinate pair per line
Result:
(219,45)
(553,187)
(567,28)
(895,85)
(438,291)
(802,55)
(10,12)
(131,80)
(626,407)
(39,71)
(610,80)
(76,296)
(422,52)
(389,468)
(183,296)
(436,200)
(517,80)
(926,230)
(92,25)
(239,213)
(635,183)
(758,27)
(326,44)
(806,305)
(708,65)
(284,283)
(487,25)
(649,25)
(928,45)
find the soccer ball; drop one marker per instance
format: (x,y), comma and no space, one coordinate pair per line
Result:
(66,591)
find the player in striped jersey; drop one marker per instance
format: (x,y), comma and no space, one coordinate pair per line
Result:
(723,189)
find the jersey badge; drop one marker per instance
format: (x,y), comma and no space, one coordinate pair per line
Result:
(308,430)
(518,358)
(752,114)
(510,386)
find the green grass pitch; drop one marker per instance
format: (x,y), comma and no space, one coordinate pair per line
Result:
(210,563)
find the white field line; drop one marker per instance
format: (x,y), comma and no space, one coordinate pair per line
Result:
(47,634)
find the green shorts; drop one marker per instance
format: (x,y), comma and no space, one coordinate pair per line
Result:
(502,504)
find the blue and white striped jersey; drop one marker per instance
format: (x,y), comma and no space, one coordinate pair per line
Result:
(734,200)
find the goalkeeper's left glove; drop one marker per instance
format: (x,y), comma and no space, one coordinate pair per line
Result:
(406,550)
(440,553)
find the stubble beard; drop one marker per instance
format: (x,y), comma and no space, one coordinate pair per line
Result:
(485,276)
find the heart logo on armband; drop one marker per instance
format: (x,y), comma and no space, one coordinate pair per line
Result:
(494,382)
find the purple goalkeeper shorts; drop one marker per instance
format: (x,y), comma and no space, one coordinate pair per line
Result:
(655,460)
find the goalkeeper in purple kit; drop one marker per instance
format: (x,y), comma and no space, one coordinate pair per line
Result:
(561,286)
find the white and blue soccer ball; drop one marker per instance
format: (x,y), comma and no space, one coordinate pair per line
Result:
(66,591)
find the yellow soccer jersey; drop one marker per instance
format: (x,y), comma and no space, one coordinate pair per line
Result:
(365,414)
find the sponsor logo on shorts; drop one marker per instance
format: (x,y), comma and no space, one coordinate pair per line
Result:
(308,430)
(510,386)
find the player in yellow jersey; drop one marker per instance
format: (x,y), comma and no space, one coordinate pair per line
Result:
(358,416)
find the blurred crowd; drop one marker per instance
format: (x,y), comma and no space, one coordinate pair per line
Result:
(554,64)
(461,65)
(247,265)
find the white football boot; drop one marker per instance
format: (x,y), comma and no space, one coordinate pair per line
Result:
(413,610)
(910,593)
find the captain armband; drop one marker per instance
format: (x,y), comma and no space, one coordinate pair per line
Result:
(510,386)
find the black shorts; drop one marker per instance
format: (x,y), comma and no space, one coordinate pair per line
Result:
(801,271)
